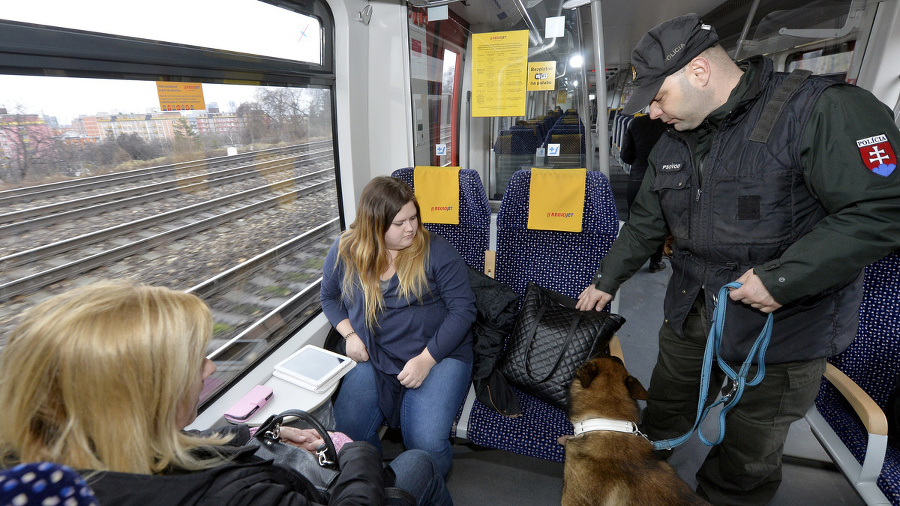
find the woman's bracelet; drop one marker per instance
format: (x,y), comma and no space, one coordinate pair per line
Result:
(351,333)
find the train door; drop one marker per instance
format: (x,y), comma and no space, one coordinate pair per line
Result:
(437,49)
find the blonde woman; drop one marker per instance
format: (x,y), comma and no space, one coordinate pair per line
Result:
(402,301)
(104,378)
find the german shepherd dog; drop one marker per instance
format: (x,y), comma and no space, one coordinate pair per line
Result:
(611,463)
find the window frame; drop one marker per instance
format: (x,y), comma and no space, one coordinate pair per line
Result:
(30,49)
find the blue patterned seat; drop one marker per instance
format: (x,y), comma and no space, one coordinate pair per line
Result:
(44,483)
(561,261)
(872,362)
(472,236)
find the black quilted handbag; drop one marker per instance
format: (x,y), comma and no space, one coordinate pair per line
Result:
(551,340)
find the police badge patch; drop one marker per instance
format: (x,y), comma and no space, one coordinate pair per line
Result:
(878,154)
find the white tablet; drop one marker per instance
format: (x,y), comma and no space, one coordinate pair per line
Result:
(313,366)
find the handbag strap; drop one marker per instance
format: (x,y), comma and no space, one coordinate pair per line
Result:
(271,427)
(738,379)
(562,350)
(394,496)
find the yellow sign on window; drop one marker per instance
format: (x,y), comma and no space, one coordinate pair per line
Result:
(180,96)
(541,75)
(499,66)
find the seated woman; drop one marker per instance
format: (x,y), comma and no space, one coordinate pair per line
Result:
(104,378)
(402,301)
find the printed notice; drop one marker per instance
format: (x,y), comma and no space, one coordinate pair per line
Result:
(499,68)
(541,75)
(561,96)
(180,96)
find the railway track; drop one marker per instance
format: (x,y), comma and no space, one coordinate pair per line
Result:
(190,244)
(67,188)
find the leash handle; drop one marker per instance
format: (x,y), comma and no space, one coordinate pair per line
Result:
(739,379)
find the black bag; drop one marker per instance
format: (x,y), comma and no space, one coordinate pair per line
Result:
(321,469)
(551,340)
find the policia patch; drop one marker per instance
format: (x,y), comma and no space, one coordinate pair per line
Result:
(878,154)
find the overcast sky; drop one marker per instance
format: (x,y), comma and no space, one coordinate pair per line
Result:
(67,98)
(247,26)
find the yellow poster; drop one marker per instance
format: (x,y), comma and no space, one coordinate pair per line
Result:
(499,68)
(180,96)
(561,97)
(541,75)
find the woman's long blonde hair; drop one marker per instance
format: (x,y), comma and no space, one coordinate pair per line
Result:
(364,253)
(93,378)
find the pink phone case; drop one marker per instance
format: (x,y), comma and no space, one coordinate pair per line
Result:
(249,404)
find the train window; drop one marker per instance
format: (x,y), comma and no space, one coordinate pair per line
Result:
(820,37)
(234,199)
(246,26)
(832,61)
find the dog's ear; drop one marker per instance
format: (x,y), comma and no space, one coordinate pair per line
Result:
(587,373)
(635,389)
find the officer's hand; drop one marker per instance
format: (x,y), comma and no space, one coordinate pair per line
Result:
(754,293)
(591,298)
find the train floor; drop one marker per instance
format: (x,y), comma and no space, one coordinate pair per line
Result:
(492,477)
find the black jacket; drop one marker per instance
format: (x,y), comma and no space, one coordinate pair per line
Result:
(640,137)
(248,480)
(642,134)
(497,306)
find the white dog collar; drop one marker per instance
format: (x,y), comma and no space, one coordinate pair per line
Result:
(605,424)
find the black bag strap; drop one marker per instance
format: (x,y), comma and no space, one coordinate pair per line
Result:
(271,427)
(562,350)
(394,496)
(773,108)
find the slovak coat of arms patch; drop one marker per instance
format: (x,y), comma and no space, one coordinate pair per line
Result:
(878,154)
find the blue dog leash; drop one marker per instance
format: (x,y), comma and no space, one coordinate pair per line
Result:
(738,379)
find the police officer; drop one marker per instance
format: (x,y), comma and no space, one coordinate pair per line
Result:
(785,183)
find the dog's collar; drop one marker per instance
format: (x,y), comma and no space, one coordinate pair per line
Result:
(605,424)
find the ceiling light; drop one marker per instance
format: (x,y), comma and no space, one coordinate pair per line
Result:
(574,4)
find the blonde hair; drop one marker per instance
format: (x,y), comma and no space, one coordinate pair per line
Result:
(364,253)
(93,378)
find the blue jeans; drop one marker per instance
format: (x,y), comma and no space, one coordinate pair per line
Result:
(418,475)
(426,413)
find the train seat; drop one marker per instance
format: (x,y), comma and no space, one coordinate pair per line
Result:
(44,483)
(569,143)
(561,261)
(503,143)
(848,417)
(472,236)
(524,140)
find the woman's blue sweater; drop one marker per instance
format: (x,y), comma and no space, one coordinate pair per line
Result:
(441,320)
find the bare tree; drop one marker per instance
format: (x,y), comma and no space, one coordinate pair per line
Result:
(28,147)
(255,125)
(288,109)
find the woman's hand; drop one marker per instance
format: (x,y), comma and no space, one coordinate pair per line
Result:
(308,439)
(356,349)
(416,370)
